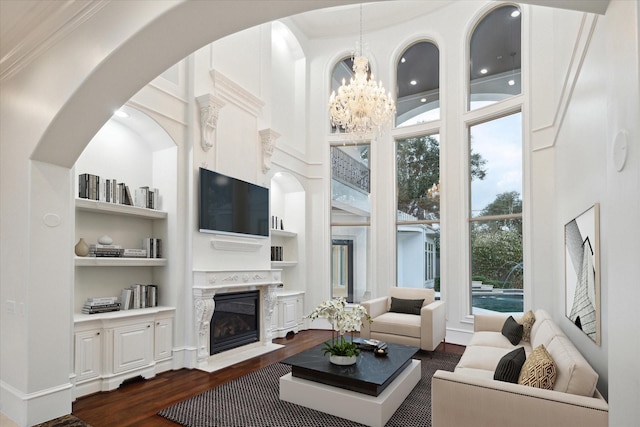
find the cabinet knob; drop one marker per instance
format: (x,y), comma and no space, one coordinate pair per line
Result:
(148,326)
(158,323)
(97,333)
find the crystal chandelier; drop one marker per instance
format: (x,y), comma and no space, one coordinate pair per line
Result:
(361,107)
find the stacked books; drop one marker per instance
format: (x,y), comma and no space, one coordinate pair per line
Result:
(115,251)
(146,197)
(276,253)
(99,250)
(100,305)
(139,296)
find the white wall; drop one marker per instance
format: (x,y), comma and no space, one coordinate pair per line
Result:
(30,190)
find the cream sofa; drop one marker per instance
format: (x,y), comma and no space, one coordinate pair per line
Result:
(426,330)
(470,396)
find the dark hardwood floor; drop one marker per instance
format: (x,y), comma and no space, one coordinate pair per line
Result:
(136,403)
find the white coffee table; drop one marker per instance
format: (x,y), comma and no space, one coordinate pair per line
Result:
(362,408)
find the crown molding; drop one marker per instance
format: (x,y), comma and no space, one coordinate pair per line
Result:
(40,28)
(232,93)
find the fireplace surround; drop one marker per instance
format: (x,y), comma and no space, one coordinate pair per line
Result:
(208,284)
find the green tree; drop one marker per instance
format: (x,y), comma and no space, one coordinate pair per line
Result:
(496,245)
(418,169)
(505,204)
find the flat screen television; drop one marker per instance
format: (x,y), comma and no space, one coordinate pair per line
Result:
(232,206)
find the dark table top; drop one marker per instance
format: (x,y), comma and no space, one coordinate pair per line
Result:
(370,374)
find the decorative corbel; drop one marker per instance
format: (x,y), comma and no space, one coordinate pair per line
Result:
(210,106)
(268,137)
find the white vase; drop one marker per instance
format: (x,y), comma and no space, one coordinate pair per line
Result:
(343,360)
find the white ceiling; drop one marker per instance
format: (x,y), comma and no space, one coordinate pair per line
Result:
(29,27)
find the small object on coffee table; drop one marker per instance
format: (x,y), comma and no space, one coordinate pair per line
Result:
(381,350)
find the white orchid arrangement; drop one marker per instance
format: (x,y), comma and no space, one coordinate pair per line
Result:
(343,319)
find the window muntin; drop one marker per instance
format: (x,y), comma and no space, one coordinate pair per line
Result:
(495,57)
(496,214)
(418,82)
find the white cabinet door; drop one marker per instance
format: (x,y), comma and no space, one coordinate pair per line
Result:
(132,346)
(88,355)
(289,309)
(163,339)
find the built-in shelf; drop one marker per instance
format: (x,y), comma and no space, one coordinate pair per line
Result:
(121,314)
(118,209)
(119,262)
(283,264)
(283,233)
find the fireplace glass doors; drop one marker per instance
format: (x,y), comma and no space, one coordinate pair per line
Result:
(235,321)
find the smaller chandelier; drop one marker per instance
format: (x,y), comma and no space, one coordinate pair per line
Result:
(361,107)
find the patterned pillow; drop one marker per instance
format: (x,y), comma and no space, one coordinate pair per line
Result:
(510,365)
(512,330)
(538,370)
(527,322)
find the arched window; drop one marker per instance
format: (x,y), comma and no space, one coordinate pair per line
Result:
(418,80)
(495,57)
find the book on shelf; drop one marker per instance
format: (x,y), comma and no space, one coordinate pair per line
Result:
(140,296)
(135,253)
(153,246)
(101,300)
(126,299)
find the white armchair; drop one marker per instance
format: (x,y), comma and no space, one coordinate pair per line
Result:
(426,330)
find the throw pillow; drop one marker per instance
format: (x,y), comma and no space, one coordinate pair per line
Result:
(539,370)
(408,306)
(512,330)
(527,322)
(508,369)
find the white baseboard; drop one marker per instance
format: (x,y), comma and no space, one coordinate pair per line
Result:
(27,409)
(185,357)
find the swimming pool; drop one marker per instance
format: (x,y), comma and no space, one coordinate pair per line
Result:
(498,302)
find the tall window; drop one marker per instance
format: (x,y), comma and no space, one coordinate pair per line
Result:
(496,56)
(496,214)
(350,221)
(418,79)
(418,212)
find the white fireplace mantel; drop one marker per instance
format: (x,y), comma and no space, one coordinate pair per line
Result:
(206,284)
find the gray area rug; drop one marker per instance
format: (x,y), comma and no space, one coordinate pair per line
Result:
(65,421)
(253,401)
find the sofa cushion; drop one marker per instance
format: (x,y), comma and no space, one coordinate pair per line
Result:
(495,339)
(538,370)
(481,357)
(512,330)
(544,333)
(575,375)
(397,324)
(408,306)
(509,366)
(527,322)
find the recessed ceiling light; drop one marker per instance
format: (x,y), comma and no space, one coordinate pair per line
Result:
(120,113)
(403,60)
(512,82)
(423,100)
(413,82)
(483,71)
(515,13)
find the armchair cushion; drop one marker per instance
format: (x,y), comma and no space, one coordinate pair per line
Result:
(408,306)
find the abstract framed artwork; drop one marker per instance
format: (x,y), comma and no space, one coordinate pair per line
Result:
(582,271)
